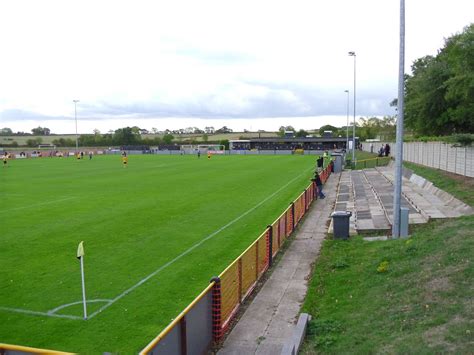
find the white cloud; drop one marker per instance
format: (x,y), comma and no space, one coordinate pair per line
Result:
(209,58)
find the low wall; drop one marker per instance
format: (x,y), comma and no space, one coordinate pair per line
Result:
(438,155)
(272,152)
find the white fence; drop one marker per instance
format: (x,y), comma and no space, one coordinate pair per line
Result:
(438,155)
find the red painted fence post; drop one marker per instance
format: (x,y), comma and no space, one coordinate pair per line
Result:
(292,217)
(270,245)
(216,309)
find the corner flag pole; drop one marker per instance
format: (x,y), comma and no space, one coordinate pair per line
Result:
(80,256)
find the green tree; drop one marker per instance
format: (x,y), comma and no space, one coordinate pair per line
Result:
(6,132)
(33,142)
(136,130)
(283,129)
(41,131)
(225,143)
(439,95)
(126,136)
(224,129)
(301,133)
(167,138)
(328,127)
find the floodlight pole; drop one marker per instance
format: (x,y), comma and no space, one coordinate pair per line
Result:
(347,125)
(353,54)
(75,117)
(399,144)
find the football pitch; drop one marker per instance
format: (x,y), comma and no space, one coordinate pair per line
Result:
(154,234)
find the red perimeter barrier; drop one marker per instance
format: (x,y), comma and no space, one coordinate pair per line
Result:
(240,278)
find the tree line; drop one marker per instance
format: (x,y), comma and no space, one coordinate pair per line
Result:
(439,95)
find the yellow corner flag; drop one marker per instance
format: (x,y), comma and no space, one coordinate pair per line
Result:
(80,256)
(80,250)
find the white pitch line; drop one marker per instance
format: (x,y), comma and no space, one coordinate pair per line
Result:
(142,281)
(38,204)
(19,310)
(53,311)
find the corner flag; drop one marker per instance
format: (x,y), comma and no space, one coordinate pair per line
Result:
(80,250)
(80,256)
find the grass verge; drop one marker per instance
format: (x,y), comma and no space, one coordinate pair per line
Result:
(402,296)
(459,186)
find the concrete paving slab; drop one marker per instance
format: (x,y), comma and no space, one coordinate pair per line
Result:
(272,316)
(269,347)
(280,328)
(270,319)
(430,200)
(286,271)
(241,347)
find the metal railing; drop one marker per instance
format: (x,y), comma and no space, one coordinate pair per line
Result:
(371,163)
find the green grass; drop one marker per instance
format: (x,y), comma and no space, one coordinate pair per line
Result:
(361,155)
(459,186)
(419,302)
(365,160)
(133,221)
(21,140)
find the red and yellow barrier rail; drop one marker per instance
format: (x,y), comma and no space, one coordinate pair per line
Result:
(17,349)
(221,300)
(204,321)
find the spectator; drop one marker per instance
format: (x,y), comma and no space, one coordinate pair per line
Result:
(387,150)
(319,185)
(381,151)
(319,162)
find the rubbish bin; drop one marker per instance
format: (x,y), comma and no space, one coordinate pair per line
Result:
(340,223)
(337,162)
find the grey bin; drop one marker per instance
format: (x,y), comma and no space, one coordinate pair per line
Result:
(338,159)
(340,224)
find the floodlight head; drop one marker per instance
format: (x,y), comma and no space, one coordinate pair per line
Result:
(346,91)
(352,54)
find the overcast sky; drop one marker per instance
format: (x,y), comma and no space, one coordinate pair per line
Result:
(253,64)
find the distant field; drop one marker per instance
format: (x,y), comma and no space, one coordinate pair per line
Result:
(178,220)
(219,137)
(21,140)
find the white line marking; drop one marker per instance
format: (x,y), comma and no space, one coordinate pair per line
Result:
(53,311)
(19,310)
(39,204)
(142,281)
